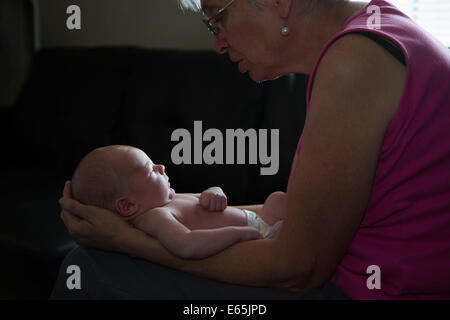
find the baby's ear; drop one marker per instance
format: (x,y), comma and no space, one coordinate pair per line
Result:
(126,207)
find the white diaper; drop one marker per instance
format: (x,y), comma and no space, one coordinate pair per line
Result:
(255,221)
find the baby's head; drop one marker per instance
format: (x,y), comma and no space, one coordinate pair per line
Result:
(122,179)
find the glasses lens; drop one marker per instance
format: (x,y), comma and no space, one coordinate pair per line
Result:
(210,26)
(215,29)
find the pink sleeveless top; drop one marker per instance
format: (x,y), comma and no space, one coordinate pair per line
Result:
(406,227)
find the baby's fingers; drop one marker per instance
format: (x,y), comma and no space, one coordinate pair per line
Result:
(217,203)
(209,203)
(213,204)
(204,201)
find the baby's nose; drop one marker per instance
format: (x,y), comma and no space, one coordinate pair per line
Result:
(161,168)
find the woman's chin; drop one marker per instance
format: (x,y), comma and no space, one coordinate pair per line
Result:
(255,77)
(258,76)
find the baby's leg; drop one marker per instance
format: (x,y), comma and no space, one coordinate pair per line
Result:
(274,208)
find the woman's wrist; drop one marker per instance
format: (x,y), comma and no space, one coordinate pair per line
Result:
(137,244)
(122,240)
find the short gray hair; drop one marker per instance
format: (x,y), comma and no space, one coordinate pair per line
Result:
(305,6)
(193,5)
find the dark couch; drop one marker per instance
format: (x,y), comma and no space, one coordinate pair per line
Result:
(80,98)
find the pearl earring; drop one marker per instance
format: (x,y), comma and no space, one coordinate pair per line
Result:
(284,31)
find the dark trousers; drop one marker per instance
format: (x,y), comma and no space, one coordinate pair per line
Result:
(108,275)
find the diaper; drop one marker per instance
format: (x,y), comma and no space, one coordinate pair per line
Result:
(255,221)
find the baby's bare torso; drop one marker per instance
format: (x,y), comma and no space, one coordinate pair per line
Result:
(188,211)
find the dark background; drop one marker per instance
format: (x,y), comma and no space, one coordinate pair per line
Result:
(64,93)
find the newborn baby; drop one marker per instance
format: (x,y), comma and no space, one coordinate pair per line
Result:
(124,180)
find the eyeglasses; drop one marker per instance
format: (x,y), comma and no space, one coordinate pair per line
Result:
(212,24)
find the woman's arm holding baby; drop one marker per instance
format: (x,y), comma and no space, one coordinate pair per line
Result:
(261,260)
(251,263)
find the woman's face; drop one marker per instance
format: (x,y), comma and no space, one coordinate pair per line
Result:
(250,36)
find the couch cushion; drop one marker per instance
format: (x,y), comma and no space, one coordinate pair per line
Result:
(69,104)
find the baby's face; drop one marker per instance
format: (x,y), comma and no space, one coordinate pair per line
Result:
(148,182)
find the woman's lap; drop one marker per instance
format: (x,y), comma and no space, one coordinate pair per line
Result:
(108,275)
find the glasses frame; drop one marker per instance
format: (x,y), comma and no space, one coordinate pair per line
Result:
(209,22)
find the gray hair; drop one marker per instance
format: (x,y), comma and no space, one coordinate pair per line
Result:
(305,6)
(193,5)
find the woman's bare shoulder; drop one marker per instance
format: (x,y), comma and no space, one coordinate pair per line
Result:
(365,71)
(329,187)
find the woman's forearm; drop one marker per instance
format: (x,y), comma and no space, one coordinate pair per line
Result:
(251,263)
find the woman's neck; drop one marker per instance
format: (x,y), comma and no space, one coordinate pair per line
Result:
(313,32)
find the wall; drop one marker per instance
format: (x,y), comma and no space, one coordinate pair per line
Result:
(146,23)
(16,47)
(142,23)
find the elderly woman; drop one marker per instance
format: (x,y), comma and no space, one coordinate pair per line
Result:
(369,191)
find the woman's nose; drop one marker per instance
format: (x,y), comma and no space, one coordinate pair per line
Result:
(220,44)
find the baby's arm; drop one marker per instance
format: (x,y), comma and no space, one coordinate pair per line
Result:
(183,242)
(213,199)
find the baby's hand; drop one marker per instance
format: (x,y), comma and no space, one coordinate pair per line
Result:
(213,199)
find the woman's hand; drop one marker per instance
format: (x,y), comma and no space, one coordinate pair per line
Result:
(91,226)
